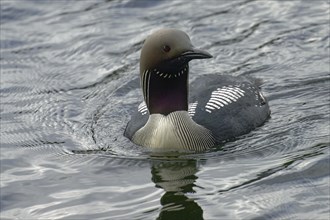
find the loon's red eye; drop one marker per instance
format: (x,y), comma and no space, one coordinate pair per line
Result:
(166,48)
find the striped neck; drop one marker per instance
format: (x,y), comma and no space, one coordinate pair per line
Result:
(166,91)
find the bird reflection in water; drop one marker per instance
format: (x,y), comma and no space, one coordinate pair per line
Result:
(177,178)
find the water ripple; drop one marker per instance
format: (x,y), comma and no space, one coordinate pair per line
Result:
(69,82)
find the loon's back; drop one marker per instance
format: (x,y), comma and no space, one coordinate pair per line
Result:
(227,106)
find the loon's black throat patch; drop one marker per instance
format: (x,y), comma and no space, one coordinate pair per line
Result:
(165,91)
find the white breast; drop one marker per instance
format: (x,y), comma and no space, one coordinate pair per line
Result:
(174,131)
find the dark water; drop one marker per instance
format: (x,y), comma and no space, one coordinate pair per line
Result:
(69,81)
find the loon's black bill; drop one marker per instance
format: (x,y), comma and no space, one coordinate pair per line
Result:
(196,54)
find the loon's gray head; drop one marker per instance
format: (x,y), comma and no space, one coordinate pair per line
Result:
(164,70)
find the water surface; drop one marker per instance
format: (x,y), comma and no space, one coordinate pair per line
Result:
(69,82)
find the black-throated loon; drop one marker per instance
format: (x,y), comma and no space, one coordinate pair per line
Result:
(220,108)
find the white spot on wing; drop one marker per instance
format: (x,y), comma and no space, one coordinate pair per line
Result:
(212,106)
(215,103)
(239,91)
(192,108)
(143,108)
(262,97)
(223,96)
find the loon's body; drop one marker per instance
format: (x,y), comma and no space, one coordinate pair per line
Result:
(219,108)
